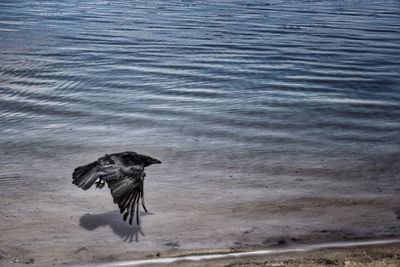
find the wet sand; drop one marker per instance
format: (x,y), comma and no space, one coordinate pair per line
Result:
(46,221)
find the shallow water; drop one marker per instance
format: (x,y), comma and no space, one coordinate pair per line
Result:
(275,121)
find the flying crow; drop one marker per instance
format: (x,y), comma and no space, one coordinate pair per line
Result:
(124,174)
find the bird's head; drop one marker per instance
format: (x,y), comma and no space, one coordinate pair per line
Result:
(149,160)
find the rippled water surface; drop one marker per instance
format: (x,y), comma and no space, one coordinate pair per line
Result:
(279,117)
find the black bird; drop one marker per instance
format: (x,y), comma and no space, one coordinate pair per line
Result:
(124,174)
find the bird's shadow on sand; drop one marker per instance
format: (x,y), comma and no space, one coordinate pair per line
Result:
(114,220)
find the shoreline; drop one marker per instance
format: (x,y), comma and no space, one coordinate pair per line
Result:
(356,253)
(293,256)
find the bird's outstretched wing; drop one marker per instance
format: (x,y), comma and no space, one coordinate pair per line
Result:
(124,178)
(128,192)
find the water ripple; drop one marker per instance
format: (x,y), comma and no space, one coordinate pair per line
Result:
(237,70)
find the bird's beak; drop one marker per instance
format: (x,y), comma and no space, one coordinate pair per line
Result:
(156,161)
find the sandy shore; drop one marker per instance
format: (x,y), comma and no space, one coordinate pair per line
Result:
(332,255)
(360,255)
(357,253)
(386,255)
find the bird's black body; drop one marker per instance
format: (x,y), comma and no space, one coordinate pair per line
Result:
(124,174)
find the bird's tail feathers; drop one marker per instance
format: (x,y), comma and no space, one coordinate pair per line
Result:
(85,176)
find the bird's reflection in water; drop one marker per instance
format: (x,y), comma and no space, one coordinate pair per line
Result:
(113,219)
